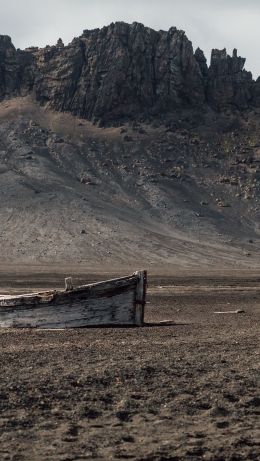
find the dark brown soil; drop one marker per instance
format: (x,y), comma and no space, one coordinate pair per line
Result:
(183,390)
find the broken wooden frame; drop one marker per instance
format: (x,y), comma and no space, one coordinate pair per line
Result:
(117,302)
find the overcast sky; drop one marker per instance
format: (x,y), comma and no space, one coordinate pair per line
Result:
(208,23)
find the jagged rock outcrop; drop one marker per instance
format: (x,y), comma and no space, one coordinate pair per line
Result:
(9,82)
(228,82)
(202,61)
(123,71)
(118,71)
(256,98)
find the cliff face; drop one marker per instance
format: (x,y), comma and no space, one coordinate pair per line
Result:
(124,70)
(119,71)
(9,81)
(228,82)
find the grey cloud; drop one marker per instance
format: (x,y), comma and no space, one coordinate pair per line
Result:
(208,23)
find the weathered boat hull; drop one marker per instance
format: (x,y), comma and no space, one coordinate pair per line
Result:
(114,302)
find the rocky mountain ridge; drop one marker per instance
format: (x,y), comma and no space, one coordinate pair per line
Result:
(125,149)
(124,71)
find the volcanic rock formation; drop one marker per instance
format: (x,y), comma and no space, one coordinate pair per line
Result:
(125,71)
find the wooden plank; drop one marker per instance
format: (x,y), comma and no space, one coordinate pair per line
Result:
(238,311)
(68,284)
(140,297)
(99,288)
(92,312)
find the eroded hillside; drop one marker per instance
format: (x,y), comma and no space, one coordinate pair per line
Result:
(183,192)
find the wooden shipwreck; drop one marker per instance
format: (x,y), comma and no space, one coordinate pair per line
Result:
(114,302)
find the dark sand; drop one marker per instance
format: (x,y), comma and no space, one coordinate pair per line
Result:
(186,390)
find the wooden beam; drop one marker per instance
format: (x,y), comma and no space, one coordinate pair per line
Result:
(68,284)
(140,297)
(238,311)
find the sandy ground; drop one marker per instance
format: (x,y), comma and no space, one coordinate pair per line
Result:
(184,390)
